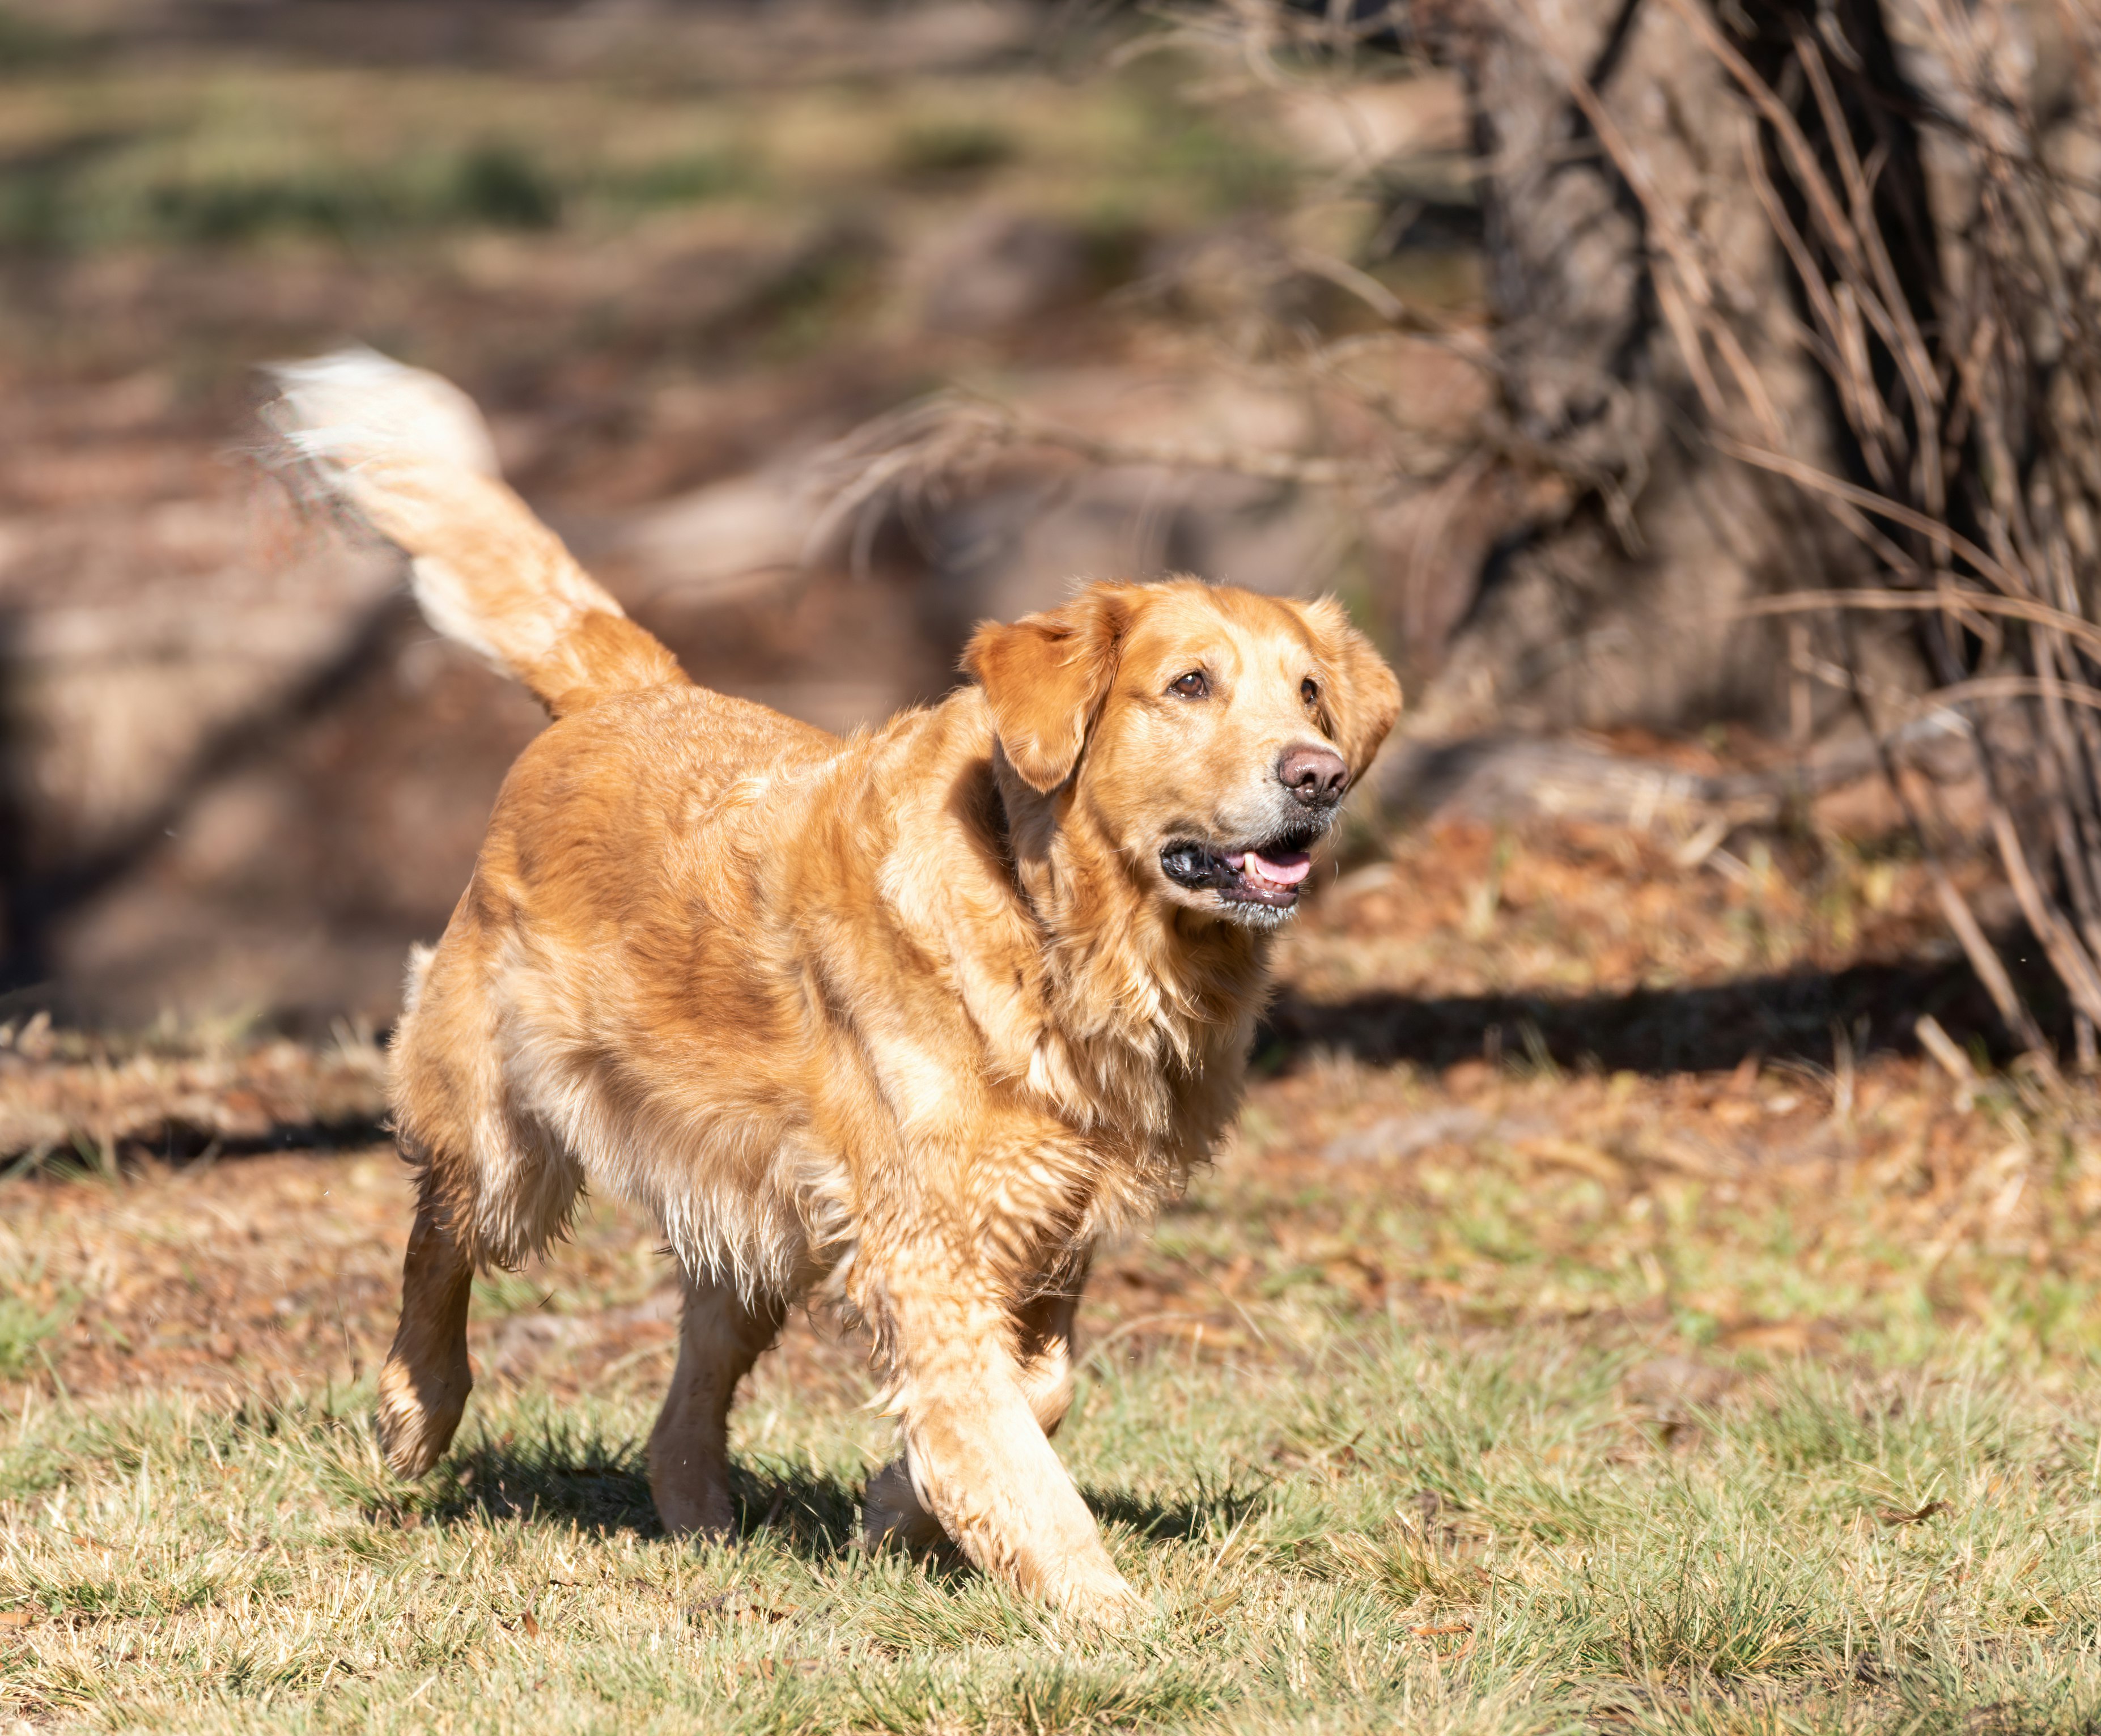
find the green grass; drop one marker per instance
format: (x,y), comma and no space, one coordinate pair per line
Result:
(34,1306)
(1451,1535)
(220,153)
(23,1327)
(66,199)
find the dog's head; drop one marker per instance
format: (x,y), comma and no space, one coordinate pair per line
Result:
(1209,734)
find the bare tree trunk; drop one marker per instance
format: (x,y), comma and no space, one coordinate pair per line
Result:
(1727,306)
(1627,180)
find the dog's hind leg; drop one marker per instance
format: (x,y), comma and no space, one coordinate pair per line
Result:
(1043,1332)
(423,1388)
(891,1516)
(720,1336)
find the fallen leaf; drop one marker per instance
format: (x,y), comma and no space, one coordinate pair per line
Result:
(1890,1515)
(1572,1154)
(531,1625)
(739,1604)
(768,1667)
(1786,1336)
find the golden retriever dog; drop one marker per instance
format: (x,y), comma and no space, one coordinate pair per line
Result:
(903,1022)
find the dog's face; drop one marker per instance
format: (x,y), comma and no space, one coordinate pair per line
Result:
(1210,733)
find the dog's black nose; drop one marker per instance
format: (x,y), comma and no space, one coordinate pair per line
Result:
(1315,775)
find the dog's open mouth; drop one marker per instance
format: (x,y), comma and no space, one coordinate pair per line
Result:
(1270,873)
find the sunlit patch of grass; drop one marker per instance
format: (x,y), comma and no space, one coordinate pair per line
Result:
(690,177)
(69,200)
(23,1326)
(1339,1519)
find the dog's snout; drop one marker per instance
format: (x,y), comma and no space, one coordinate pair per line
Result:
(1315,775)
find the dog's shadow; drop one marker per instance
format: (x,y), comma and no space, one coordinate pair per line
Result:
(574,1479)
(1206,1512)
(601,1487)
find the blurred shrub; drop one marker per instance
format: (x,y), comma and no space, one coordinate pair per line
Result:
(28,43)
(65,198)
(943,148)
(691,179)
(499,185)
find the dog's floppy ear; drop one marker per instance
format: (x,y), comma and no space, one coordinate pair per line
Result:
(1045,677)
(1362,698)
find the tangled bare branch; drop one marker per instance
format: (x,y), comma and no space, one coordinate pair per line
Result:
(1975,417)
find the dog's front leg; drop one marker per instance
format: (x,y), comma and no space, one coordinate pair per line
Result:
(978,1458)
(1042,1327)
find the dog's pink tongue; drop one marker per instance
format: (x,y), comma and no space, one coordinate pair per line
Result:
(1285,869)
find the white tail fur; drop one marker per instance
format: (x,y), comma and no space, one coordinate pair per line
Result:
(410,455)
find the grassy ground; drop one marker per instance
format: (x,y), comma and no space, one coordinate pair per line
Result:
(1388,1529)
(1519,1392)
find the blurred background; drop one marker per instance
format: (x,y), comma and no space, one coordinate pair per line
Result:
(1552,342)
(676,251)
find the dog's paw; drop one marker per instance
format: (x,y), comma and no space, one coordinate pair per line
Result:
(892,1518)
(1098,1600)
(692,1500)
(413,1431)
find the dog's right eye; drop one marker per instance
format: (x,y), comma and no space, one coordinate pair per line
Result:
(1191,686)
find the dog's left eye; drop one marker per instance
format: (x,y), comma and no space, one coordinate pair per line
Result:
(1309,690)
(1191,686)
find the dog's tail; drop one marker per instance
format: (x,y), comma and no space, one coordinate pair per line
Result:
(409,453)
